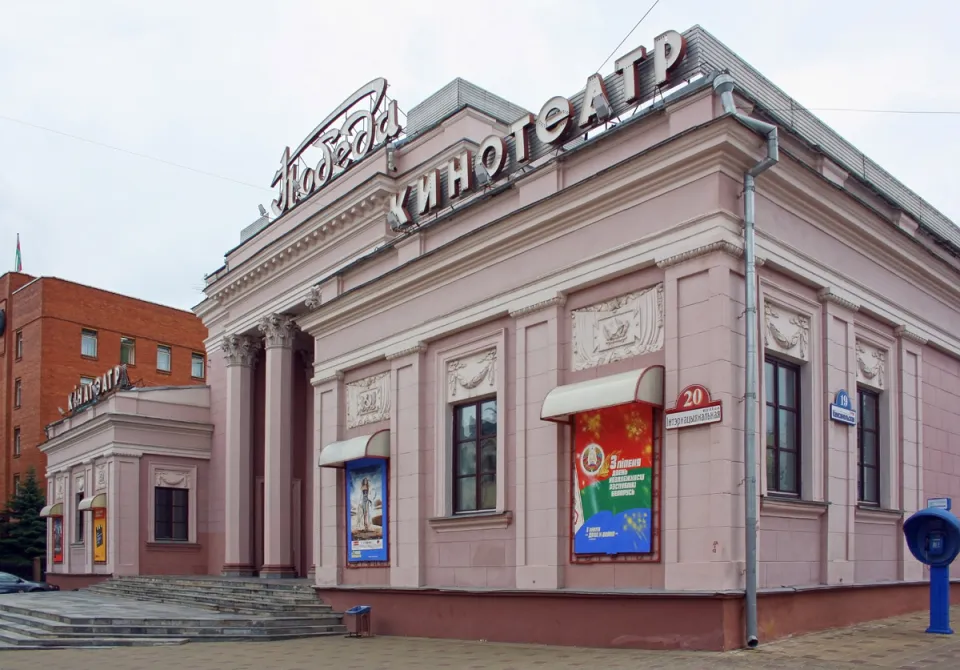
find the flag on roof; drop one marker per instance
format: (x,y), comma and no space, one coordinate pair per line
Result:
(18,263)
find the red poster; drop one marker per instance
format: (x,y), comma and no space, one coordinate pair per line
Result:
(613,492)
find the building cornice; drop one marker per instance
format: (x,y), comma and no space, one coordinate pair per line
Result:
(829,294)
(905,332)
(557,301)
(323,229)
(418,348)
(724,246)
(106,421)
(648,175)
(118,450)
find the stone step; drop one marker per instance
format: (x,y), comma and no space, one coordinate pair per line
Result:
(42,621)
(236,632)
(225,606)
(14,639)
(251,596)
(250,584)
(207,596)
(285,594)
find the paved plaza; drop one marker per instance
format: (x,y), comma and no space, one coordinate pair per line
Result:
(893,643)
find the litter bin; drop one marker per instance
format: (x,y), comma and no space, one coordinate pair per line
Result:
(357,621)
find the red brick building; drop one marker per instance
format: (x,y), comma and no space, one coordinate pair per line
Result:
(57,334)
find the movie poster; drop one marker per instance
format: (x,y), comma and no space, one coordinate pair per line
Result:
(613,481)
(99,535)
(367,510)
(58,539)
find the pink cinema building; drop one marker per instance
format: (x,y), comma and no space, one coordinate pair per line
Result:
(497,372)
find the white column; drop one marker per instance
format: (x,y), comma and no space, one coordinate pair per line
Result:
(240,352)
(279,331)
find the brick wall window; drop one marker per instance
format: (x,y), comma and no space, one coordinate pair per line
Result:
(170,515)
(475,456)
(16,442)
(196,366)
(88,343)
(164,358)
(16,483)
(17,393)
(868,447)
(782,384)
(18,344)
(86,380)
(128,351)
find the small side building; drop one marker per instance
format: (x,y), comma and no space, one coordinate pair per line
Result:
(124,478)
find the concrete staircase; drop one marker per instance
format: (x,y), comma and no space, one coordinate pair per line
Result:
(130,611)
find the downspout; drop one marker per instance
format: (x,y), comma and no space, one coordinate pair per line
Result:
(723,85)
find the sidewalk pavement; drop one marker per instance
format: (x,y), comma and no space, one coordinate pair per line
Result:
(893,643)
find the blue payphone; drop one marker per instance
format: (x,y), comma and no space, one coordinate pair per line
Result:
(933,536)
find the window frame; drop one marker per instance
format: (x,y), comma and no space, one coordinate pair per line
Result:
(17,393)
(171,524)
(89,380)
(79,532)
(18,344)
(17,442)
(478,472)
(194,357)
(16,483)
(863,394)
(774,488)
(132,341)
(169,350)
(95,337)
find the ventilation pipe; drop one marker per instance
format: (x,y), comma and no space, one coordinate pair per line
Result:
(723,86)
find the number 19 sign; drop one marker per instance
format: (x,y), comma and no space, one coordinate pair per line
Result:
(694,408)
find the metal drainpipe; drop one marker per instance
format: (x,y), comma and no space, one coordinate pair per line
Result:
(723,85)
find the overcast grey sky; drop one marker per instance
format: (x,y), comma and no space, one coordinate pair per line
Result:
(223,87)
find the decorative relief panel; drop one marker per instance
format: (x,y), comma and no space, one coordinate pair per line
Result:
(786,331)
(871,364)
(59,488)
(78,485)
(100,477)
(472,376)
(172,479)
(368,400)
(627,326)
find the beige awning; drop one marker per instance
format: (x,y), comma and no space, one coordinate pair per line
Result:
(95,502)
(335,454)
(643,385)
(52,510)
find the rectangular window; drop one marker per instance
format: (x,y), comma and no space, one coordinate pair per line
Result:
(782,382)
(164,356)
(170,514)
(16,483)
(16,442)
(86,380)
(196,366)
(79,516)
(475,456)
(17,393)
(88,343)
(18,344)
(868,448)
(128,351)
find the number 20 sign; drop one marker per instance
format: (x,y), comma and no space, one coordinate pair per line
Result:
(694,407)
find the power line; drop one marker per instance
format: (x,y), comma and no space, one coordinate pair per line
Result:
(627,36)
(131,153)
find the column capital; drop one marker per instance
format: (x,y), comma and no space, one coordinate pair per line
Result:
(240,350)
(279,330)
